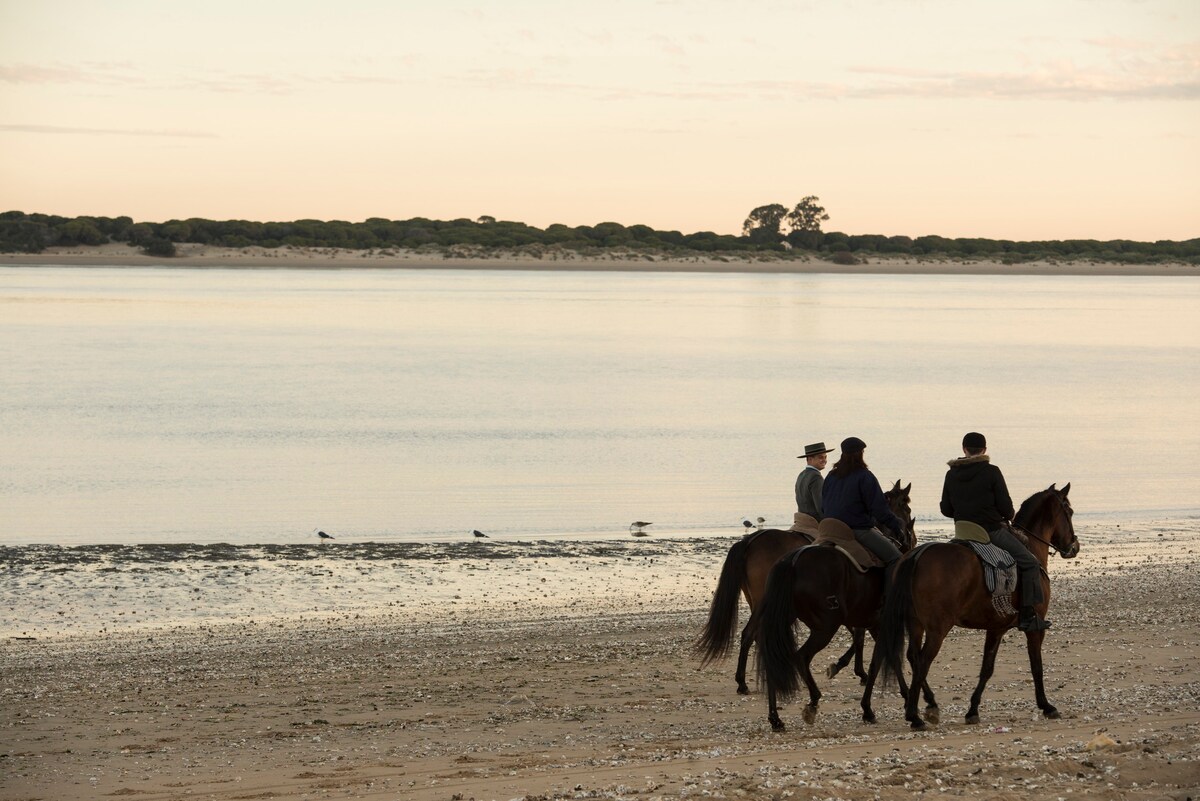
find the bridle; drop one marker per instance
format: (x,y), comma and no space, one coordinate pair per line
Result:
(1051,546)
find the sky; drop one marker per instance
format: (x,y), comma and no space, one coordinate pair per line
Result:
(1027,119)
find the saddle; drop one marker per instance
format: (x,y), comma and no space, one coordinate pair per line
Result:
(999,567)
(833,533)
(805,524)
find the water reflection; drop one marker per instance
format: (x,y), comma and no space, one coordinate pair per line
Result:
(204,405)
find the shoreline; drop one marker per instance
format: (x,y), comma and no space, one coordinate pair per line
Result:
(543,701)
(201,256)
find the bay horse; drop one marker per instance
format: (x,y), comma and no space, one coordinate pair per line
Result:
(823,589)
(941,585)
(745,572)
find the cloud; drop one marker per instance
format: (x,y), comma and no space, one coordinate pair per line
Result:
(79,131)
(117,73)
(105,73)
(1130,70)
(1172,75)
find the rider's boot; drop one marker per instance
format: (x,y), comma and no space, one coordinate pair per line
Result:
(1029,620)
(889,570)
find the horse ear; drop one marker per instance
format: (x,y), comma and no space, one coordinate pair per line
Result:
(907,489)
(1066,488)
(896,486)
(1051,487)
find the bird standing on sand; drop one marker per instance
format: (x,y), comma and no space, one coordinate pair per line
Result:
(747,524)
(761,520)
(321,535)
(478,533)
(639,525)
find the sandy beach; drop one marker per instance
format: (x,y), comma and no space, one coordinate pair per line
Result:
(560,694)
(460,258)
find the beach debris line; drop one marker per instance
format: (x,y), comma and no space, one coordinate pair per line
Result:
(478,533)
(636,527)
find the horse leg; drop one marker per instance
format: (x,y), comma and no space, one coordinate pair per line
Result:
(748,634)
(1033,643)
(818,638)
(876,664)
(855,651)
(933,714)
(859,637)
(773,710)
(922,659)
(990,646)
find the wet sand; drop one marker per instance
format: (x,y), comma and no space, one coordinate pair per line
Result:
(506,699)
(190,255)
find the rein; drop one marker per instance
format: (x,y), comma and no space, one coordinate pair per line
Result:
(1053,548)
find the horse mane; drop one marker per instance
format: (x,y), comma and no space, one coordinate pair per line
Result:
(1029,507)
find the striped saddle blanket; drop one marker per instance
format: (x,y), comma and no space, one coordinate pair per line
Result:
(999,573)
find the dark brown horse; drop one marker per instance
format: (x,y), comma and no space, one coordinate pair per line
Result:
(823,589)
(744,573)
(941,586)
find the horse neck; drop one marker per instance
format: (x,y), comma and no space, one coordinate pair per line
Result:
(1042,529)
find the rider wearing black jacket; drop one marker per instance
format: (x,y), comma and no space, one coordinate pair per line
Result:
(974,490)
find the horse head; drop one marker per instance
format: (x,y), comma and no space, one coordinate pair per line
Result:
(899,502)
(1065,539)
(1050,511)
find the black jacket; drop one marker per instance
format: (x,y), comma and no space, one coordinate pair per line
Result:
(975,490)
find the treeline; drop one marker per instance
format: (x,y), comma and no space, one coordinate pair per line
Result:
(32,233)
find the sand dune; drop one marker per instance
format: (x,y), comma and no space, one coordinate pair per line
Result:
(466,259)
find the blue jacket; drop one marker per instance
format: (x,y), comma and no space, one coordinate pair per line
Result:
(857,500)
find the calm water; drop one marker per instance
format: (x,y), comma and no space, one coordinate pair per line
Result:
(205,406)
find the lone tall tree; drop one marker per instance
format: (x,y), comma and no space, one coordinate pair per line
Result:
(808,215)
(763,223)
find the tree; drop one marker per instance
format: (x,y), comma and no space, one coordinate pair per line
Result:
(159,246)
(762,225)
(808,215)
(80,232)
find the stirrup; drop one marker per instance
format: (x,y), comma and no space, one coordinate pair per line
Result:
(1029,621)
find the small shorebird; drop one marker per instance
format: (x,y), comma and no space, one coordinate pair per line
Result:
(761,520)
(478,533)
(321,535)
(747,524)
(639,525)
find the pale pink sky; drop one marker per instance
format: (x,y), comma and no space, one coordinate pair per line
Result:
(1020,120)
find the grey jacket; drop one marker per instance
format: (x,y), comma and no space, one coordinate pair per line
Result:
(808,492)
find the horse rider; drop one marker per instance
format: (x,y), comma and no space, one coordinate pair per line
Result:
(810,480)
(974,490)
(852,494)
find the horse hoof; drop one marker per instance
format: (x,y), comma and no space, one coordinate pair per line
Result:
(933,714)
(810,715)
(972,720)
(743,689)
(777,725)
(1052,713)
(918,725)
(831,671)
(868,717)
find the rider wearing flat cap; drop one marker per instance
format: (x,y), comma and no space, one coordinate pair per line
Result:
(975,491)
(852,494)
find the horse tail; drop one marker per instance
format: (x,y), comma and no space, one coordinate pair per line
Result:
(717,634)
(776,640)
(893,620)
